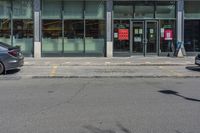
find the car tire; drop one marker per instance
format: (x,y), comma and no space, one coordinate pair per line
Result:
(1,68)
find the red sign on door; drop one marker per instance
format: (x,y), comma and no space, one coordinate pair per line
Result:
(168,35)
(123,34)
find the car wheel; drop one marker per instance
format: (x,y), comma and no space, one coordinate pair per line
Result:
(1,68)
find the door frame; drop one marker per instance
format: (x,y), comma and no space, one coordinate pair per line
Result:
(131,37)
(145,37)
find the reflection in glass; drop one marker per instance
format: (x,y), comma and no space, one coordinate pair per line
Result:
(5,33)
(22,9)
(123,9)
(5,7)
(120,46)
(165,10)
(73,9)
(51,9)
(95,36)
(192,9)
(164,45)
(144,10)
(51,36)
(73,36)
(23,35)
(192,35)
(94,10)
(5,23)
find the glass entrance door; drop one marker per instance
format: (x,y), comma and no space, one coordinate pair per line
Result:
(145,37)
(151,37)
(138,37)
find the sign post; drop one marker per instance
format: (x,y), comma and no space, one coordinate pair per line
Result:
(168,36)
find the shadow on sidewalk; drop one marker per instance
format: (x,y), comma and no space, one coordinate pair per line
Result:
(193,68)
(171,92)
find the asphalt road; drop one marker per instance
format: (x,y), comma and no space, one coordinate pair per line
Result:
(100,105)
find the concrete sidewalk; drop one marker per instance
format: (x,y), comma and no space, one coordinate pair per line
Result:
(115,61)
(126,67)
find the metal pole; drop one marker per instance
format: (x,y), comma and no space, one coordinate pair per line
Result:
(109,38)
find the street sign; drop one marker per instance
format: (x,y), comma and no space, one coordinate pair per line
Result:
(123,34)
(168,35)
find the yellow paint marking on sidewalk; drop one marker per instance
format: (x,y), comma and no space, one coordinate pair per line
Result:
(53,70)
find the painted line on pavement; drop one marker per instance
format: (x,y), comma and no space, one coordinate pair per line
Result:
(53,70)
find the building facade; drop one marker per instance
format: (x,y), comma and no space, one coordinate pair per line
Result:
(104,28)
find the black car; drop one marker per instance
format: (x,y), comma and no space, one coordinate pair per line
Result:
(10,57)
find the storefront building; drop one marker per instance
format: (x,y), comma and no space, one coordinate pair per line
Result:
(105,28)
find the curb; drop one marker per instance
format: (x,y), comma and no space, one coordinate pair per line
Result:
(99,77)
(90,77)
(111,65)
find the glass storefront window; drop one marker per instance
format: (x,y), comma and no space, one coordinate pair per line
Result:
(192,35)
(74,36)
(94,10)
(5,23)
(5,31)
(22,9)
(73,9)
(167,46)
(23,25)
(165,10)
(52,27)
(123,10)
(95,36)
(144,10)
(51,36)
(73,27)
(23,35)
(192,9)
(121,45)
(51,9)
(5,7)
